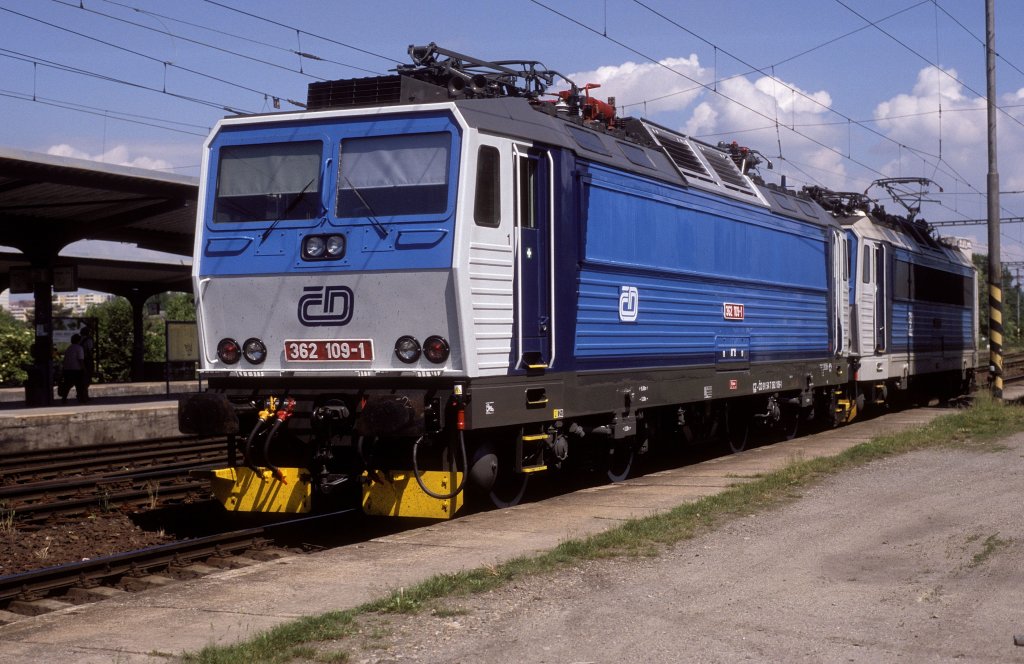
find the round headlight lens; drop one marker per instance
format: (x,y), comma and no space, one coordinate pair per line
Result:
(436,349)
(228,351)
(407,349)
(335,245)
(254,350)
(314,246)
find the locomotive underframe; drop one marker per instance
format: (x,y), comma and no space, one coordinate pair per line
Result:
(349,433)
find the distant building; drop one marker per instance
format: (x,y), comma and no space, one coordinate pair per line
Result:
(22,307)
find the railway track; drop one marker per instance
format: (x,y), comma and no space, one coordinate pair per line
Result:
(137,474)
(43,590)
(1013,366)
(35,502)
(109,459)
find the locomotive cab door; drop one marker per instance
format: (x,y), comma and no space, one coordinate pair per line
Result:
(874,297)
(841,334)
(533,232)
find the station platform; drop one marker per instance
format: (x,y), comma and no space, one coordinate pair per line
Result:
(115,412)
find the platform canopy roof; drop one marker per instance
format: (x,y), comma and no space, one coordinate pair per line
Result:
(48,202)
(120,276)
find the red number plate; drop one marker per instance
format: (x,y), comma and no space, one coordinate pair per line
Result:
(329,350)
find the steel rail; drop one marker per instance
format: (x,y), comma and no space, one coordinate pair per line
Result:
(115,458)
(42,582)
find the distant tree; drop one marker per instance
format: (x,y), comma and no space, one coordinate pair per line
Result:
(178,306)
(113,339)
(1011,297)
(173,307)
(15,349)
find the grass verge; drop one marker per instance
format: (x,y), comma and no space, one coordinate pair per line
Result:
(978,427)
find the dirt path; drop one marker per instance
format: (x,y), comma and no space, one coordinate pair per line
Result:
(916,558)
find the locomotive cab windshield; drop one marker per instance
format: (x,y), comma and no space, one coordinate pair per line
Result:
(393,175)
(268,181)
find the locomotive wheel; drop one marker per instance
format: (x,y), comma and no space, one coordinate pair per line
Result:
(620,459)
(790,422)
(509,487)
(737,427)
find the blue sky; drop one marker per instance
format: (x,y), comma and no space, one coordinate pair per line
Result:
(831,98)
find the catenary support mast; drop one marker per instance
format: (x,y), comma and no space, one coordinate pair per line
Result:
(995,273)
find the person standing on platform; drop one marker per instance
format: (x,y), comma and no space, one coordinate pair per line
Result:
(74,371)
(88,367)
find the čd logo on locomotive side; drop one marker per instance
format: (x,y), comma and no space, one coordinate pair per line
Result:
(629,304)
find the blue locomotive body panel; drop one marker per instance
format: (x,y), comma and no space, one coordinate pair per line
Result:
(933,304)
(706,273)
(921,327)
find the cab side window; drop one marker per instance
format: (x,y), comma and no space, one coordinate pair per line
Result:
(487,207)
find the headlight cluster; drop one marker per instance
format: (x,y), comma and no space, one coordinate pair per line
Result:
(323,247)
(253,350)
(435,349)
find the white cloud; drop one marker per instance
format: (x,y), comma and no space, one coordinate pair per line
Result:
(740,106)
(959,134)
(789,98)
(658,84)
(744,104)
(913,118)
(702,121)
(747,110)
(118,155)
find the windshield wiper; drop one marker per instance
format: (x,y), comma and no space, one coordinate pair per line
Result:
(377,226)
(291,206)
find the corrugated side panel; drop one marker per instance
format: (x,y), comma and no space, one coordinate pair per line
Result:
(688,256)
(931,327)
(491,292)
(681,317)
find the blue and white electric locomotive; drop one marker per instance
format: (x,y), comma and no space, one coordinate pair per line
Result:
(436,281)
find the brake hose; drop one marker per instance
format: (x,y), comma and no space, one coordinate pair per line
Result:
(419,480)
(266,451)
(247,451)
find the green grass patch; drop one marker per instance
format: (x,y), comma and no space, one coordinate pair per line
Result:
(989,547)
(977,427)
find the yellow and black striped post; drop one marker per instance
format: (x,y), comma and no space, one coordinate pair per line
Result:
(995,272)
(995,336)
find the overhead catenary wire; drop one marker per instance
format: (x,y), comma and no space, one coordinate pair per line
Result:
(940,163)
(145,120)
(800,127)
(150,28)
(911,50)
(225,33)
(755,70)
(232,107)
(807,97)
(703,85)
(976,38)
(139,53)
(36,61)
(311,34)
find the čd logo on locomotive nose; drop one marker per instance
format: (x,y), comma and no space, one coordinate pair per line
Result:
(325,305)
